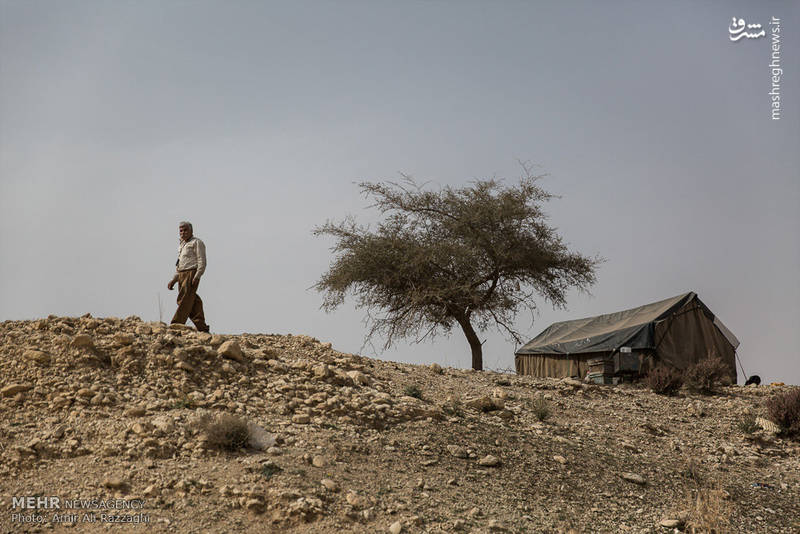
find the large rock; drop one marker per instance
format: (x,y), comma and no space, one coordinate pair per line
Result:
(12,389)
(115,483)
(277,366)
(123,338)
(128,359)
(255,505)
(322,371)
(485,403)
(358,378)
(496,526)
(231,350)
(260,439)
(499,393)
(457,451)
(164,424)
(37,356)
(135,411)
(489,461)
(572,382)
(633,477)
(355,500)
(195,350)
(82,341)
(184,366)
(329,484)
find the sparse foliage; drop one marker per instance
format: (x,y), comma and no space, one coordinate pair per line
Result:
(705,375)
(747,424)
(709,512)
(183,402)
(270,469)
(225,431)
(664,380)
(784,410)
(540,407)
(413,391)
(473,257)
(692,470)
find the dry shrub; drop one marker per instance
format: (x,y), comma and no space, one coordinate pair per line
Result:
(540,407)
(664,380)
(709,512)
(784,410)
(225,431)
(748,424)
(705,375)
(692,470)
(413,391)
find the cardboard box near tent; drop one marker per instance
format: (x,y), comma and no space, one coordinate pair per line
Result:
(678,332)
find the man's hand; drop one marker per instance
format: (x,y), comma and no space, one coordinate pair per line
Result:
(171,284)
(195,283)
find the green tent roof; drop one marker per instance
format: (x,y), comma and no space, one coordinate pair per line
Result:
(632,328)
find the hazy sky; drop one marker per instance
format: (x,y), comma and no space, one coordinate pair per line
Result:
(254,119)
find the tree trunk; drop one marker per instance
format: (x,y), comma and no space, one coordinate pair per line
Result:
(474,343)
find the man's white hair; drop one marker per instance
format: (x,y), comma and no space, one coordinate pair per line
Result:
(187,224)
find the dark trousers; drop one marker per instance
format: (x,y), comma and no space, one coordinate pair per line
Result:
(190,306)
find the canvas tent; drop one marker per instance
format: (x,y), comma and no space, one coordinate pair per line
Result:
(677,332)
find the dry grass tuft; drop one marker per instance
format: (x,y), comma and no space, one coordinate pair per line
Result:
(413,390)
(225,431)
(692,470)
(540,407)
(709,512)
(748,424)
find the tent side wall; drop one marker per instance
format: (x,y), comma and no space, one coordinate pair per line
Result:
(555,365)
(561,366)
(690,336)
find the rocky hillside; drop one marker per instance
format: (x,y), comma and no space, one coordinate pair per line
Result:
(122,420)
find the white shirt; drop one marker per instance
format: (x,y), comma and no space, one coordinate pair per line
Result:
(192,255)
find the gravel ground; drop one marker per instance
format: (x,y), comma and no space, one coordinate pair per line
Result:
(109,411)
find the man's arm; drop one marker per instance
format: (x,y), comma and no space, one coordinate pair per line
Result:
(201,261)
(172,282)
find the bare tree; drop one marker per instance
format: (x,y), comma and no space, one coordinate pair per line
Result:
(473,256)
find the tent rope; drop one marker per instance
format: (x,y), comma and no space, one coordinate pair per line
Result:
(744,375)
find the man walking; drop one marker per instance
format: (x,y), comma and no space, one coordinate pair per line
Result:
(191,265)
